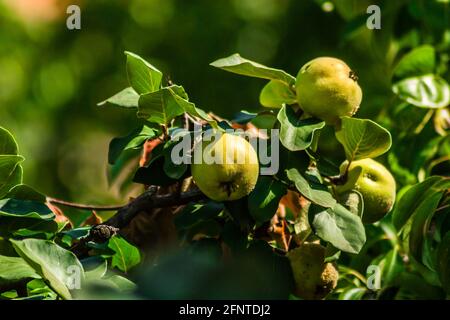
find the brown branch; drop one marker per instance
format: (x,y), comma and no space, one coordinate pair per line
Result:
(148,200)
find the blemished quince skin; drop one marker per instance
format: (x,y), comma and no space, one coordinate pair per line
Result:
(313,277)
(236,174)
(328,89)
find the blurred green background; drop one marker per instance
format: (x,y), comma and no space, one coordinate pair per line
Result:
(51,78)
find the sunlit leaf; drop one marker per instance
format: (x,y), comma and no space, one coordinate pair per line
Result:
(297,134)
(127,98)
(161,106)
(126,255)
(53,263)
(237,64)
(313,191)
(94,267)
(363,138)
(353,294)
(340,227)
(427,91)
(14,269)
(13,179)
(143,77)
(417,62)
(8,144)
(275,94)
(167,103)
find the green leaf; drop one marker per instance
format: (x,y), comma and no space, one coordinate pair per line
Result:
(8,145)
(77,233)
(392,266)
(421,220)
(94,267)
(190,107)
(297,134)
(167,103)
(195,212)
(419,61)
(353,294)
(10,294)
(427,91)
(444,262)
(262,120)
(363,138)
(236,64)
(343,229)
(39,287)
(172,170)
(313,191)
(121,283)
(14,269)
(7,165)
(25,192)
(126,256)
(32,228)
(53,263)
(162,106)
(413,286)
(275,94)
(127,98)
(414,196)
(15,178)
(243,117)
(25,209)
(17,226)
(10,174)
(264,199)
(332,253)
(143,77)
(134,140)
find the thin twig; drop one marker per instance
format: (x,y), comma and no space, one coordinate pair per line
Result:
(81,206)
(195,120)
(423,123)
(437,161)
(186,121)
(443,207)
(165,132)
